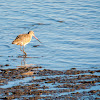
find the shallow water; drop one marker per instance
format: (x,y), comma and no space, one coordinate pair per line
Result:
(69,32)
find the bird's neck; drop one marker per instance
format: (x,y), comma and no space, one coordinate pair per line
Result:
(30,35)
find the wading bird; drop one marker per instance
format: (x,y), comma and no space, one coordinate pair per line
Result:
(24,39)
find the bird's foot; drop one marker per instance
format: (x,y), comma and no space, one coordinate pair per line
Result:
(24,53)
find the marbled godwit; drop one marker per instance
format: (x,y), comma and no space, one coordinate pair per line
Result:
(24,39)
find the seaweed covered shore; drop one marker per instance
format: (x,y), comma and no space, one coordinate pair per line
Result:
(37,83)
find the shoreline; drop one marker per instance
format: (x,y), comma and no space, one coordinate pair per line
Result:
(36,83)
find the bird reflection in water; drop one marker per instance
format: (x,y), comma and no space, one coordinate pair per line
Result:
(23,61)
(31,68)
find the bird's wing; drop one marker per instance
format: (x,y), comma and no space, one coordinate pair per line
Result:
(19,36)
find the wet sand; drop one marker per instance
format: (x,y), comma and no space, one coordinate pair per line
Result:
(47,84)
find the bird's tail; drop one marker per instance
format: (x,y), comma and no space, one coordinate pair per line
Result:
(17,43)
(13,42)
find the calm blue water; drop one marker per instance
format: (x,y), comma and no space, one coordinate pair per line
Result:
(69,31)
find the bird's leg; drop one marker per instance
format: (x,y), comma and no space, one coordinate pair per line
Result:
(21,48)
(24,51)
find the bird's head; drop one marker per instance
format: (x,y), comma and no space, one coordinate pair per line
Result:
(32,34)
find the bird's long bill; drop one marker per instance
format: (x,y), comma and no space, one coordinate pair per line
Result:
(36,38)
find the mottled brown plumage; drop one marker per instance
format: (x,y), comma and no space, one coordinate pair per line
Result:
(24,39)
